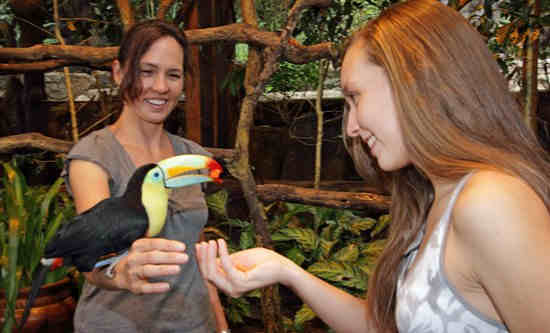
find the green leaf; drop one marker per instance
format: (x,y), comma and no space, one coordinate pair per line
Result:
(383,222)
(373,249)
(52,228)
(349,253)
(234,316)
(304,315)
(237,223)
(256,293)
(326,247)
(217,202)
(362,224)
(366,264)
(50,195)
(243,305)
(18,187)
(247,239)
(345,274)
(50,41)
(305,237)
(296,255)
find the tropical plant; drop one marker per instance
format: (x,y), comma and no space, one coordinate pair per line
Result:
(336,245)
(29,217)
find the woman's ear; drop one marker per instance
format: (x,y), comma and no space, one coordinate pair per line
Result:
(117,72)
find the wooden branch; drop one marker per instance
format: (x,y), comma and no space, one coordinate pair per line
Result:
(34,140)
(375,203)
(84,54)
(49,57)
(245,33)
(40,141)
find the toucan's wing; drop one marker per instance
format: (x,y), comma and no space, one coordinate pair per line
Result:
(110,226)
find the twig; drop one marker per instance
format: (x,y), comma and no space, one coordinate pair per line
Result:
(68,85)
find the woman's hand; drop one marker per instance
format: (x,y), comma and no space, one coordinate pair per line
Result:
(149,258)
(242,271)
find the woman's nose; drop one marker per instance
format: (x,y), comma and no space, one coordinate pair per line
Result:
(352,127)
(160,84)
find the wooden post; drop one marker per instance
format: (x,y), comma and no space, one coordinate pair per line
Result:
(208,109)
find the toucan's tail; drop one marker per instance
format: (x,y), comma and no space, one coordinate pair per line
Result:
(37,281)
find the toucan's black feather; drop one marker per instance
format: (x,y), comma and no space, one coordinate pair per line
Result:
(38,279)
(110,226)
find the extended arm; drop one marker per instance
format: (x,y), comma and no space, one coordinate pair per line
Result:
(255,268)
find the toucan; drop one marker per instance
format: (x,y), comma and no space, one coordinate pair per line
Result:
(113,224)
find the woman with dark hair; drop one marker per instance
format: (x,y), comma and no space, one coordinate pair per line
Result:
(156,286)
(469,242)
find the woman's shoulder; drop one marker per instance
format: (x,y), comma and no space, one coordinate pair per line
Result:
(493,200)
(99,141)
(186,146)
(486,188)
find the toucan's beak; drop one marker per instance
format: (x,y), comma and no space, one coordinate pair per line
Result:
(178,170)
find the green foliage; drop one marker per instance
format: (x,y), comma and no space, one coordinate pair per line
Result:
(29,217)
(508,25)
(336,245)
(271,14)
(291,77)
(337,21)
(7,18)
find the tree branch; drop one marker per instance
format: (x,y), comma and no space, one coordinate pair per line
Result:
(373,203)
(40,141)
(49,57)
(83,54)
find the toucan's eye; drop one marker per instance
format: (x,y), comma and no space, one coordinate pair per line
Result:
(157,175)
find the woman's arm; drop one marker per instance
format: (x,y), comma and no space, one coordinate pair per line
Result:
(146,258)
(255,268)
(503,227)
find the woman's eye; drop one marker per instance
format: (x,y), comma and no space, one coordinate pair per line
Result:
(175,76)
(146,72)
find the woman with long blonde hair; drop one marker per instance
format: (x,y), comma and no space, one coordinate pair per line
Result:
(469,241)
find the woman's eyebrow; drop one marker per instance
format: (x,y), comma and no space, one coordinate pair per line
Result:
(155,66)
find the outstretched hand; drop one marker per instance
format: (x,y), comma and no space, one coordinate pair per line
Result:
(242,271)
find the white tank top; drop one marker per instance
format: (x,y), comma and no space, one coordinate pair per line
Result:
(426,301)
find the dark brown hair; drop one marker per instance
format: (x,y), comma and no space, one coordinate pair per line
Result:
(135,43)
(456,115)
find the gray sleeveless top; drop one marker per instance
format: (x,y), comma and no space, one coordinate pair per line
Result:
(426,301)
(186,307)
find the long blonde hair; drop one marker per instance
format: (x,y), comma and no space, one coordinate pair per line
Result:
(456,115)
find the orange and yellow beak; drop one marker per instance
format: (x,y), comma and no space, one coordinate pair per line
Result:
(189,169)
